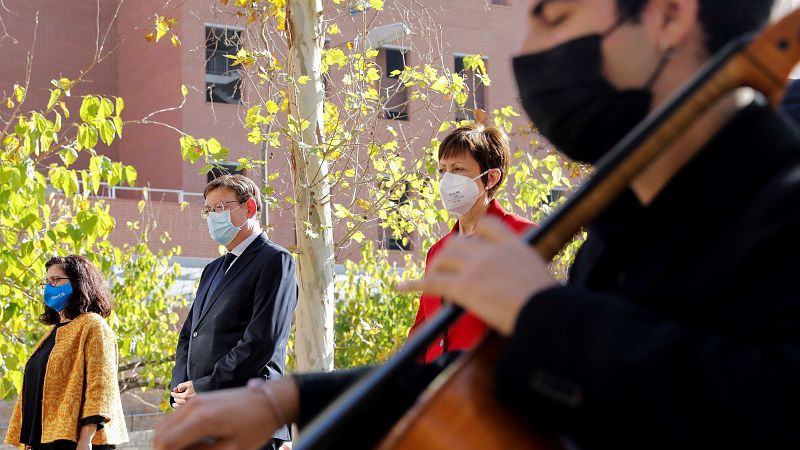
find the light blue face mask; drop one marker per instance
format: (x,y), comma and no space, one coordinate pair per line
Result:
(220,227)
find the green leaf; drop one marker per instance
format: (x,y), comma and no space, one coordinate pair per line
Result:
(89,107)
(55,95)
(120,105)
(130,175)
(19,93)
(107,131)
(105,109)
(214,147)
(69,155)
(118,125)
(341,212)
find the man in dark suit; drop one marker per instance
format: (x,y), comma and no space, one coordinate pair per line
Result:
(240,320)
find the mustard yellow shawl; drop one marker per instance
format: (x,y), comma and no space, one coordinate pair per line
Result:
(85,354)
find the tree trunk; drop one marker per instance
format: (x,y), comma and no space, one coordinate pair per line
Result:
(314,316)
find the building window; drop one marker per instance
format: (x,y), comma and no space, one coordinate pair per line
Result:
(390,240)
(223,168)
(394,96)
(477,91)
(223,81)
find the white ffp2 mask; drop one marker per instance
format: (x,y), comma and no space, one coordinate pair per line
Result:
(458,192)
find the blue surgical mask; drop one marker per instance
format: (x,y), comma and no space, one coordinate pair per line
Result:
(57,297)
(220,227)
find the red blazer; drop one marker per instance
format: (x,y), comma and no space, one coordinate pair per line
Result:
(467,330)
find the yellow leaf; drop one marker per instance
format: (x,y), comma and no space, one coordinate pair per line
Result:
(377,4)
(303,79)
(333,29)
(162,26)
(373,74)
(363,204)
(149,37)
(175,41)
(272,107)
(19,93)
(184,90)
(10,103)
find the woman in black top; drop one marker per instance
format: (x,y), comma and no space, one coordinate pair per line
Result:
(68,395)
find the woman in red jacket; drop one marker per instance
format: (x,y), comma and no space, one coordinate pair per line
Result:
(473,163)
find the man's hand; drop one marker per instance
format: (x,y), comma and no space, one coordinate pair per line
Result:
(240,419)
(492,274)
(182,393)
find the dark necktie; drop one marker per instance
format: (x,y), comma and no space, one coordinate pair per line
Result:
(226,262)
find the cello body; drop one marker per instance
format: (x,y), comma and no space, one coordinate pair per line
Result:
(466,401)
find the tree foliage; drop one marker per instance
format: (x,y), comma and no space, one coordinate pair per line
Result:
(381,179)
(49,206)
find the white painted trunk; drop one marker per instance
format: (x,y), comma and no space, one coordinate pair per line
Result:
(314,315)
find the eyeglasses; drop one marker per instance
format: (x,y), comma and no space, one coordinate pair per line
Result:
(217,209)
(52,281)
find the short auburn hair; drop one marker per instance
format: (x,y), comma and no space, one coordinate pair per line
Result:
(485,143)
(89,290)
(243,187)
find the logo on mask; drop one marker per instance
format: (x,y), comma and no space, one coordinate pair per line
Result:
(57,297)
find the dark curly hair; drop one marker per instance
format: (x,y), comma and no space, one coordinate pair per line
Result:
(89,290)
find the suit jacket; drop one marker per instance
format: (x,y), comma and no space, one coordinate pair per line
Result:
(242,330)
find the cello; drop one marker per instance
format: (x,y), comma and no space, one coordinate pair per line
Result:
(459,409)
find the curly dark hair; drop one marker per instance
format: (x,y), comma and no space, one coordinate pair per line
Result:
(89,290)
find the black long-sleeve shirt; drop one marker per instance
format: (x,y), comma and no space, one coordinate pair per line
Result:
(680,324)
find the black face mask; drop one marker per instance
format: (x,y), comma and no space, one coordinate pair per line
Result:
(568,99)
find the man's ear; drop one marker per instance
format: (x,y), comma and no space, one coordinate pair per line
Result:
(252,208)
(674,21)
